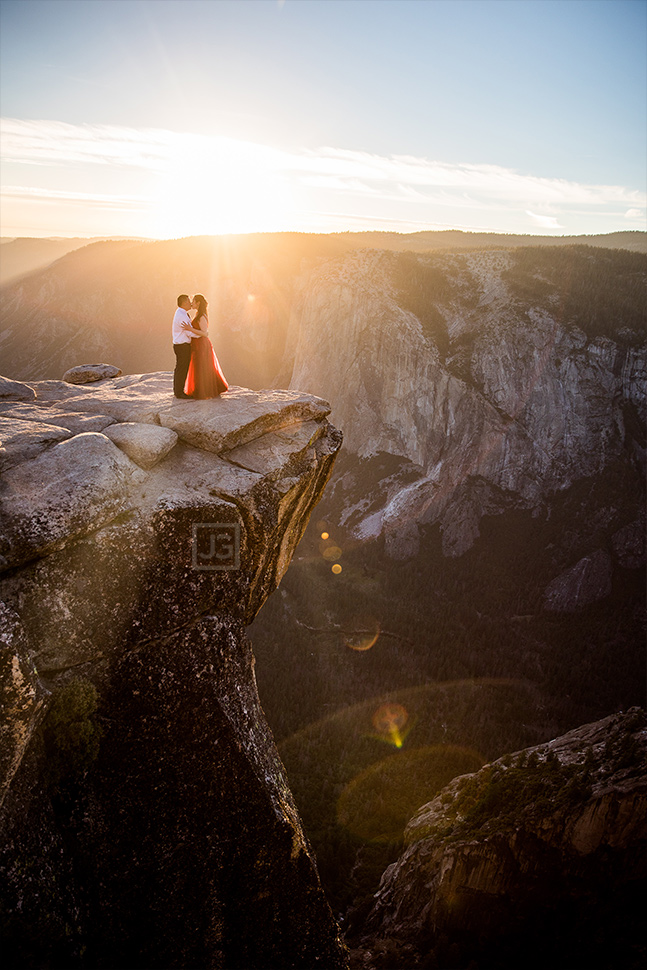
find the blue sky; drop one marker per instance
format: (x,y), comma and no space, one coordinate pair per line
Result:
(157,117)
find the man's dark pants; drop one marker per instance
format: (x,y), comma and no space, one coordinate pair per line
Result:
(182,361)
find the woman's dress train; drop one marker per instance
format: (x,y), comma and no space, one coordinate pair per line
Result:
(205,378)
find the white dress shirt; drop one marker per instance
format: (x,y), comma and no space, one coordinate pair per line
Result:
(181,336)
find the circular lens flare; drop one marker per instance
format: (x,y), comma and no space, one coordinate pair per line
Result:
(364,635)
(336,569)
(390,722)
(331,553)
(377,804)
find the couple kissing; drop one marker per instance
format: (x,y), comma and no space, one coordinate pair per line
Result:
(197,372)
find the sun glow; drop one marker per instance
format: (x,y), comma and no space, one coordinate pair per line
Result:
(216,186)
(161,183)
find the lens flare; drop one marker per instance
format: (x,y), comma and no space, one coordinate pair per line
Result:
(332,553)
(390,721)
(364,635)
(336,569)
(324,535)
(377,804)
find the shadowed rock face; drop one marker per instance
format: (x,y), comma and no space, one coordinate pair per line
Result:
(547,842)
(178,843)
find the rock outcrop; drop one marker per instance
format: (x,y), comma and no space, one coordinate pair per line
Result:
(15,390)
(535,850)
(89,373)
(469,367)
(588,581)
(146,818)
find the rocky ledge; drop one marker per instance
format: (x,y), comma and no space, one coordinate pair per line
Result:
(537,859)
(146,818)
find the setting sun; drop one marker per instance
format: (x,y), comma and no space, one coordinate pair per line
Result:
(218,186)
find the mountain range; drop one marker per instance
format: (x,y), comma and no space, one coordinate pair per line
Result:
(115,298)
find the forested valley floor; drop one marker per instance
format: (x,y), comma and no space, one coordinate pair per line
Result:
(387,679)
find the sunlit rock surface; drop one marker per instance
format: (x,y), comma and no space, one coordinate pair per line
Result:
(15,390)
(146,444)
(22,440)
(499,857)
(180,844)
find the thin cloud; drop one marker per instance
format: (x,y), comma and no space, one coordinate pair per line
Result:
(31,194)
(59,143)
(545,222)
(324,179)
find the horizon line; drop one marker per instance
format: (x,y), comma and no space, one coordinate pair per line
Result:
(10,237)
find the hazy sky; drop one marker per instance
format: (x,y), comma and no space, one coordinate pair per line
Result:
(177,117)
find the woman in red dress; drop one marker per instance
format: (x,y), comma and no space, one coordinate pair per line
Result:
(205,378)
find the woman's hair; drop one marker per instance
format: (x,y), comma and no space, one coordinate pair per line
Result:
(202,307)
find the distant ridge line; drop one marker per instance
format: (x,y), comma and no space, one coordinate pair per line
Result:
(25,255)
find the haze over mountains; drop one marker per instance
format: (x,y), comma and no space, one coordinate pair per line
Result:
(113,299)
(24,255)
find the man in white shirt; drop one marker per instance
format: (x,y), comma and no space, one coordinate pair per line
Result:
(181,344)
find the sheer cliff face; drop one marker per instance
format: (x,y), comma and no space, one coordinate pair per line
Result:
(139,538)
(541,849)
(475,368)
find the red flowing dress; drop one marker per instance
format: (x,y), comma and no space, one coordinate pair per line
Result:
(205,378)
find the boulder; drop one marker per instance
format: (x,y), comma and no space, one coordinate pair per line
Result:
(73,487)
(73,421)
(89,373)
(15,390)
(22,440)
(54,390)
(145,444)
(133,397)
(588,581)
(235,418)
(274,450)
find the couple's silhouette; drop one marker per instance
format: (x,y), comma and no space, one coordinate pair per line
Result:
(197,372)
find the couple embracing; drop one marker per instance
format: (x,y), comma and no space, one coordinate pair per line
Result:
(197,371)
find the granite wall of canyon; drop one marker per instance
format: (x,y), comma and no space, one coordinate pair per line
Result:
(488,372)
